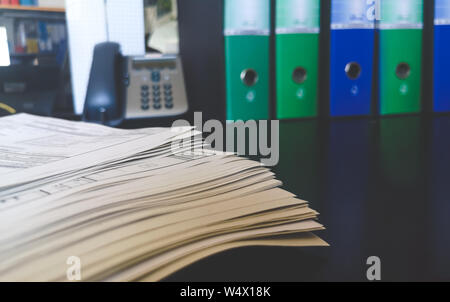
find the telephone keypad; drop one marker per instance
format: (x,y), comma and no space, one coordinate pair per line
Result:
(158,87)
(156,92)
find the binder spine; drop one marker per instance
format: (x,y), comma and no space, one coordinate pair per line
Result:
(247,57)
(352,57)
(297,58)
(400,66)
(441,56)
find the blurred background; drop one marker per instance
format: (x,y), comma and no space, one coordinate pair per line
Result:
(309,65)
(363,105)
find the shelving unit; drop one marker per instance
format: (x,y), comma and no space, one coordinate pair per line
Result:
(34,33)
(33,8)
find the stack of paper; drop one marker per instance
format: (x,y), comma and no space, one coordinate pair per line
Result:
(131,204)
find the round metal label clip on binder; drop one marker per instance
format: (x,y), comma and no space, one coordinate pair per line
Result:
(249,77)
(299,75)
(353,70)
(403,71)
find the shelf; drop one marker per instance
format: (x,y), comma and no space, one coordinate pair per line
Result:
(31,55)
(33,8)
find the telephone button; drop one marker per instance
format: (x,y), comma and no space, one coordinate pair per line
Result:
(144,94)
(168,93)
(169,105)
(144,87)
(157,100)
(145,100)
(156,76)
(156,87)
(126,81)
(145,107)
(167,86)
(168,99)
(157,106)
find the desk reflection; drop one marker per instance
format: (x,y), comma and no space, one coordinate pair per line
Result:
(439,207)
(398,212)
(299,163)
(382,188)
(345,195)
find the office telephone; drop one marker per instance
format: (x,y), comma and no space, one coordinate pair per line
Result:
(122,88)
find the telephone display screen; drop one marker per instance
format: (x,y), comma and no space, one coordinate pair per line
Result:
(154,64)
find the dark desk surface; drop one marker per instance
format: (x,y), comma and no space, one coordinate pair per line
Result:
(382,188)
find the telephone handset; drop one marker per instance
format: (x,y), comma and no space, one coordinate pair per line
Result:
(123,88)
